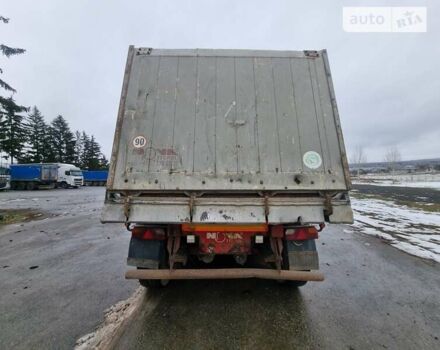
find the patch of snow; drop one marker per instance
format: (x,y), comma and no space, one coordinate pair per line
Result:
(414,231)
(115,318)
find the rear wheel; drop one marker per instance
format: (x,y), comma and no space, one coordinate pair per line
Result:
(285,266)
(30,186)
(20,186)
(163,264)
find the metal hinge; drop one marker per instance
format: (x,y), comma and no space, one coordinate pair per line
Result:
(144,51)
(311,53)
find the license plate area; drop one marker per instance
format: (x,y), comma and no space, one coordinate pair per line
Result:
(224,242)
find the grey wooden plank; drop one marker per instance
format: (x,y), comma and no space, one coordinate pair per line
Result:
(162,137)
(142,120)
(319,117)
(305,107)
(221,53)
(204,147)
(124,158)
(246,126)
(328,118)
(268,139)
(184,121)
(226,113)
(290,147)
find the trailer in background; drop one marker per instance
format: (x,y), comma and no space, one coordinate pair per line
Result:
(95,177)
(5,178)
(33,176)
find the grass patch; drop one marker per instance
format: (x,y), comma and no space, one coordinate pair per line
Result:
(429,207)
(13,216)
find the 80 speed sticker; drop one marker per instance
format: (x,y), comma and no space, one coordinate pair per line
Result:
(312,160)
(139,141)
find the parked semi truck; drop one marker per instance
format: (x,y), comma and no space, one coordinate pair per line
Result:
(69,176)
(33,176)
(229,153)
(95,177)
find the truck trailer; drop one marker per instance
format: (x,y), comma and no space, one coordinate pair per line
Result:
(232,155)
(33,176)
(95,177)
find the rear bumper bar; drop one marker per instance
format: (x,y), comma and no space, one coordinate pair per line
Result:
(184,274)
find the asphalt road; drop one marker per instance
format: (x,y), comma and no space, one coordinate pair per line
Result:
(374,296)
(59,274)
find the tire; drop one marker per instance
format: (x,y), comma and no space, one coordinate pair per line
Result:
(285,266)
(64,185)
(20,186)
(163,264)
(30,186)
(13,186)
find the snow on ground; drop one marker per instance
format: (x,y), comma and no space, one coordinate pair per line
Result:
(421,184)
(420,180)
(414,231)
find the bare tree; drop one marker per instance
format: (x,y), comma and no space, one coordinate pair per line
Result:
(358,157)
(392,157)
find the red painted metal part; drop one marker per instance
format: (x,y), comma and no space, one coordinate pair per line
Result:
(225,242)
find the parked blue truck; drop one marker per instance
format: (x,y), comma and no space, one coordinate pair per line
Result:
(33,176)
(95,177)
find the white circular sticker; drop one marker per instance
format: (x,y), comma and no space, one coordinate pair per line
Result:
(312,160)
(139,142)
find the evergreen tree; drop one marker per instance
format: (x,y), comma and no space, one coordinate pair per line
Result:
(93,154)
(8,125)
(37,129)
(85,144)
(13,131)
(103,162)
(79,146)
(62,140)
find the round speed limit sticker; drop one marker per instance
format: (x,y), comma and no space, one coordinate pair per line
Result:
(139,142)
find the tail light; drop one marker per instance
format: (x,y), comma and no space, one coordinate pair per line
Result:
(148,233)
(301,233)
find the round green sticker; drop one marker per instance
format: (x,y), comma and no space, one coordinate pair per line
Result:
(312,160)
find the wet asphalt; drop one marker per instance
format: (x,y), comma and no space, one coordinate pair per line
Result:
(374,296)
(58,274)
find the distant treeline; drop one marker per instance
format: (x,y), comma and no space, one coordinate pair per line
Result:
(28,138)
(25,137)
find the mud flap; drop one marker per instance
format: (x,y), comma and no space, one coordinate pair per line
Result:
(147,254)
(302,255)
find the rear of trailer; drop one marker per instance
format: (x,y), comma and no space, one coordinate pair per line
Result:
(33,176)
(227,152)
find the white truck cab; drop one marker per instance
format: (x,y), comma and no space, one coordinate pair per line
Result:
(69,176)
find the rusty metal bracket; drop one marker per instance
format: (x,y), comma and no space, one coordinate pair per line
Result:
(328,207)
(127,208)
(277,248)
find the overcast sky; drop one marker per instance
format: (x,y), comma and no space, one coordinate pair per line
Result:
(387,84)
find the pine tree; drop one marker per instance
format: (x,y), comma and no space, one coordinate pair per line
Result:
(78,149)
(93,154)
(62,140)
(8,105)
(85,143)
(36,137)
(13,131)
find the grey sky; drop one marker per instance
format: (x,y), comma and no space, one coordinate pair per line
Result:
(387,85)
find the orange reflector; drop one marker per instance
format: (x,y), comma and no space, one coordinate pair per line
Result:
(224,228)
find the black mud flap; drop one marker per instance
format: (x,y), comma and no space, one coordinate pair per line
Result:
(146,254)
(302,255)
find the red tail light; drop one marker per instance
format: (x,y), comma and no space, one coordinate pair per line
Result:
(148,233)
(301,233)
